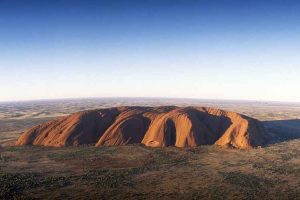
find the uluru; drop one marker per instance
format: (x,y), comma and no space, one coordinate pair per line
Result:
(151,126)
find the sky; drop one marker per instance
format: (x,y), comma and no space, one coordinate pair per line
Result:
(209,49)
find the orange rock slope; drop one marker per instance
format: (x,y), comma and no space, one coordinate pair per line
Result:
(151,126)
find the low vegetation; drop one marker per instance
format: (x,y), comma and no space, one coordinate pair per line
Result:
(137,172)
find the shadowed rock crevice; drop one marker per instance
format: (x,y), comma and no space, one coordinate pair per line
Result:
(170,133)
(151,126)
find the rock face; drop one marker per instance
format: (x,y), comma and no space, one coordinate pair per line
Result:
(151,126)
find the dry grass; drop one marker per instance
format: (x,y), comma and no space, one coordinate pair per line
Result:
(138,172)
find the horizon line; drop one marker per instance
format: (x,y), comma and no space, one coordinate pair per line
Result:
(140,97)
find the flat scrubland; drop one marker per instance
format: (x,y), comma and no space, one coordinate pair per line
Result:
(138,172)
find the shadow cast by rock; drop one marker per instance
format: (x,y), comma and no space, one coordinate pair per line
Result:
(282,130)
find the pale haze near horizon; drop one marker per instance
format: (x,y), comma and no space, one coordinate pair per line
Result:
(205,50)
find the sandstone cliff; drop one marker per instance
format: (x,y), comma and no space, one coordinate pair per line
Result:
(151,126)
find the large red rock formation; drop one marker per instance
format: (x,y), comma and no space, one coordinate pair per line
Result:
(151,126)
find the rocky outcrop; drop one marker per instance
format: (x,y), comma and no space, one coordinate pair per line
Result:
(151,126)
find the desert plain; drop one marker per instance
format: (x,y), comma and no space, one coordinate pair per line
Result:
(139,172)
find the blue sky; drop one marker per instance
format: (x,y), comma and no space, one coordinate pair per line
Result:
(157,48)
